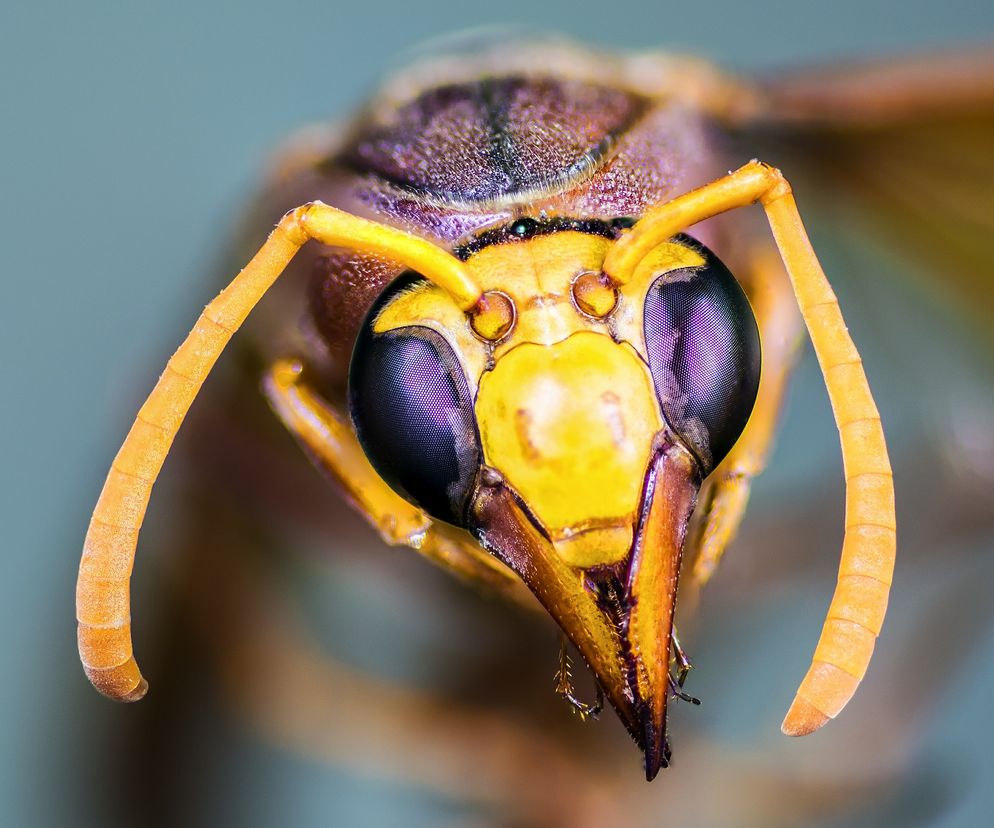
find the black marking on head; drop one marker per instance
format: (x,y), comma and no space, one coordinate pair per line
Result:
(524,229)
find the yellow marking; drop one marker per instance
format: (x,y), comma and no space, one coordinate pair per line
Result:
(537,276)
(571,425)
(431,307)
(627,321)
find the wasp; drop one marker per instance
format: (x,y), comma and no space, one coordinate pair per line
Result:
(547,337)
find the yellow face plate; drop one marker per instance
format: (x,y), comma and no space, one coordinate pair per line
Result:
(570,426)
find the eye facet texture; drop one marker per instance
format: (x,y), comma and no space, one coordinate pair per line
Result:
(413,414)
(704,355)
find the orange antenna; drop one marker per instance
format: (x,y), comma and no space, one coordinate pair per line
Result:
(857,610)
(103,588)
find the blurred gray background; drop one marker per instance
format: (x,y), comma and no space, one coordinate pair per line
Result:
(131,135)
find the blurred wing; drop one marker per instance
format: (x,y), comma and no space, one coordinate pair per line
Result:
(904,148)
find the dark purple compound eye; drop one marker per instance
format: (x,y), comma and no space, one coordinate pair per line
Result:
(413,413)
(704,354)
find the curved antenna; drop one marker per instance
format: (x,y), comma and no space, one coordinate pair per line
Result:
(857,610)
(103,587)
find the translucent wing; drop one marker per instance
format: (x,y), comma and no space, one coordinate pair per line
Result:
(905,149)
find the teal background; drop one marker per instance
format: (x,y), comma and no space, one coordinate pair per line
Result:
(130,136)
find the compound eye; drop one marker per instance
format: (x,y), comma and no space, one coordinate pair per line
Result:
(704,354)
(413,414)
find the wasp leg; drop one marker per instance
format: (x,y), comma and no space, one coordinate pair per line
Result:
(683,665)
(683,668)
(564,688)
(328,438)
(678,693)
(768,287)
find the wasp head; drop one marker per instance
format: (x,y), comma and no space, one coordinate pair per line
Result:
(567,424)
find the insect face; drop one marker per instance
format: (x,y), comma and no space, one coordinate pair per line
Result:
(565,394)
(592,420)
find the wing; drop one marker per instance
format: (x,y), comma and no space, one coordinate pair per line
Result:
(904,149)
